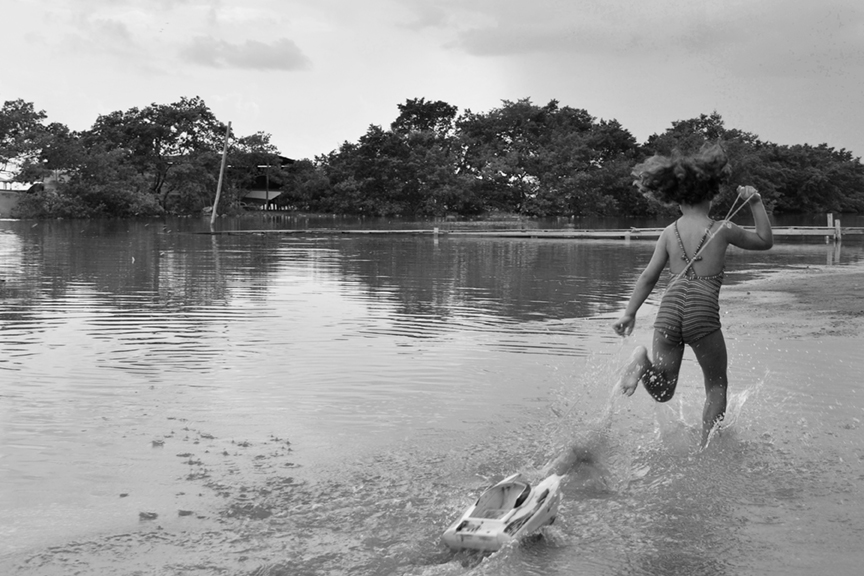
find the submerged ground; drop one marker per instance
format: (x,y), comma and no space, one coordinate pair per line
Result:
(255,459)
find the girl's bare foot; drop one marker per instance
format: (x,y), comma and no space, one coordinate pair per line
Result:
(634,370)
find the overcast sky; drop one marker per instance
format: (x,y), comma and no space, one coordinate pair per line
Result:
(315,73)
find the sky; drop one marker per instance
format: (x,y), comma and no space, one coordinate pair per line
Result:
(316,73)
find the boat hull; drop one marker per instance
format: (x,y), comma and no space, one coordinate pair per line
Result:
(521,510)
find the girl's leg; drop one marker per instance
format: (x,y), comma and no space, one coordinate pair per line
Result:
(660,376)
(711,354)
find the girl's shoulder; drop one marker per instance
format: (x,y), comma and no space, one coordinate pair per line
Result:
(730,232)
(668,232)
(670,229)
(724,228)
(667,239)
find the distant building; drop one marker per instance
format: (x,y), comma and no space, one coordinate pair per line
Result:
(8,171)
(263,190)
(10,190)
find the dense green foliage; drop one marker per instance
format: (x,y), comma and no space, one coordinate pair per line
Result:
(519,158)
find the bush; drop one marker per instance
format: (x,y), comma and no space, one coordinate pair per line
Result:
(79,201)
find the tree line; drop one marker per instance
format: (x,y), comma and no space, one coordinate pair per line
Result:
(163,158)
(517,159)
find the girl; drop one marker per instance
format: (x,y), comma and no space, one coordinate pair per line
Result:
(694,247)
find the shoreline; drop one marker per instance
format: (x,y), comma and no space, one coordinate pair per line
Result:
(811,302)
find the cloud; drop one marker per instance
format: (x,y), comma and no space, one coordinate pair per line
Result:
(585,27)
(792,38)
(103,37)
(508,41)
(426,16)
(507,27)
(282,54)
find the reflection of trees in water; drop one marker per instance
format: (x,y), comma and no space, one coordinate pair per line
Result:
(133,263)
(523,279)
(153,293)
(142,276)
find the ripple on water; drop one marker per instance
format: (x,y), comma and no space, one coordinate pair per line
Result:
(402,397)
(648,503)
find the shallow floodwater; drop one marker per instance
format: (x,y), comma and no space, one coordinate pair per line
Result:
(175,402)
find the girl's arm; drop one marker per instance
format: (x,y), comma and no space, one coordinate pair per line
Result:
(762,238)
(644,285)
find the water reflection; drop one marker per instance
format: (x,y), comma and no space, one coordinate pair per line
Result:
(147,359)
(521,279)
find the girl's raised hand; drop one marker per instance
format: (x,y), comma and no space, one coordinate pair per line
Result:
(747,192)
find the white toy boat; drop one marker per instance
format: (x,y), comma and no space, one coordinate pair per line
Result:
(506,511)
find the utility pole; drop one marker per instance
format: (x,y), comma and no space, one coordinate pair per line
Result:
(221,175)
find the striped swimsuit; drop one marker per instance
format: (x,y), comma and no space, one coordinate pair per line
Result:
(690,307)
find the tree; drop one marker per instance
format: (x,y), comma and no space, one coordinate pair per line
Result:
(304,185)
(517,158)
(687,136)
(421,116)
(408,170)
(160,137)
(500,150)
(812,179)
(102,184)
(21,129)
(538,160)
(56,150)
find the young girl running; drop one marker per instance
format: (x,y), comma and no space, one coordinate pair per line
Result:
(694,247)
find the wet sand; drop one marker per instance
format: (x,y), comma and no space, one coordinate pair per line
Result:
(811,302)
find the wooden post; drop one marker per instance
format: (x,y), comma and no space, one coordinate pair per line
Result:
(221,174)
(838,235)
(830,220)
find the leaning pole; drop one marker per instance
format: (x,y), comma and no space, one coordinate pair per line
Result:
(221,174)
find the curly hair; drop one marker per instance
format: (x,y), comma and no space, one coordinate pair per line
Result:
(679,179)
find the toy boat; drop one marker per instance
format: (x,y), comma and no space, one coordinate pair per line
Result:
(508,510)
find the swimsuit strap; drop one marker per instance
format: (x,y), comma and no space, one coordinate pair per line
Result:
(704,238)
(698,248)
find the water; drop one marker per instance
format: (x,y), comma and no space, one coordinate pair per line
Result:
(328,404)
